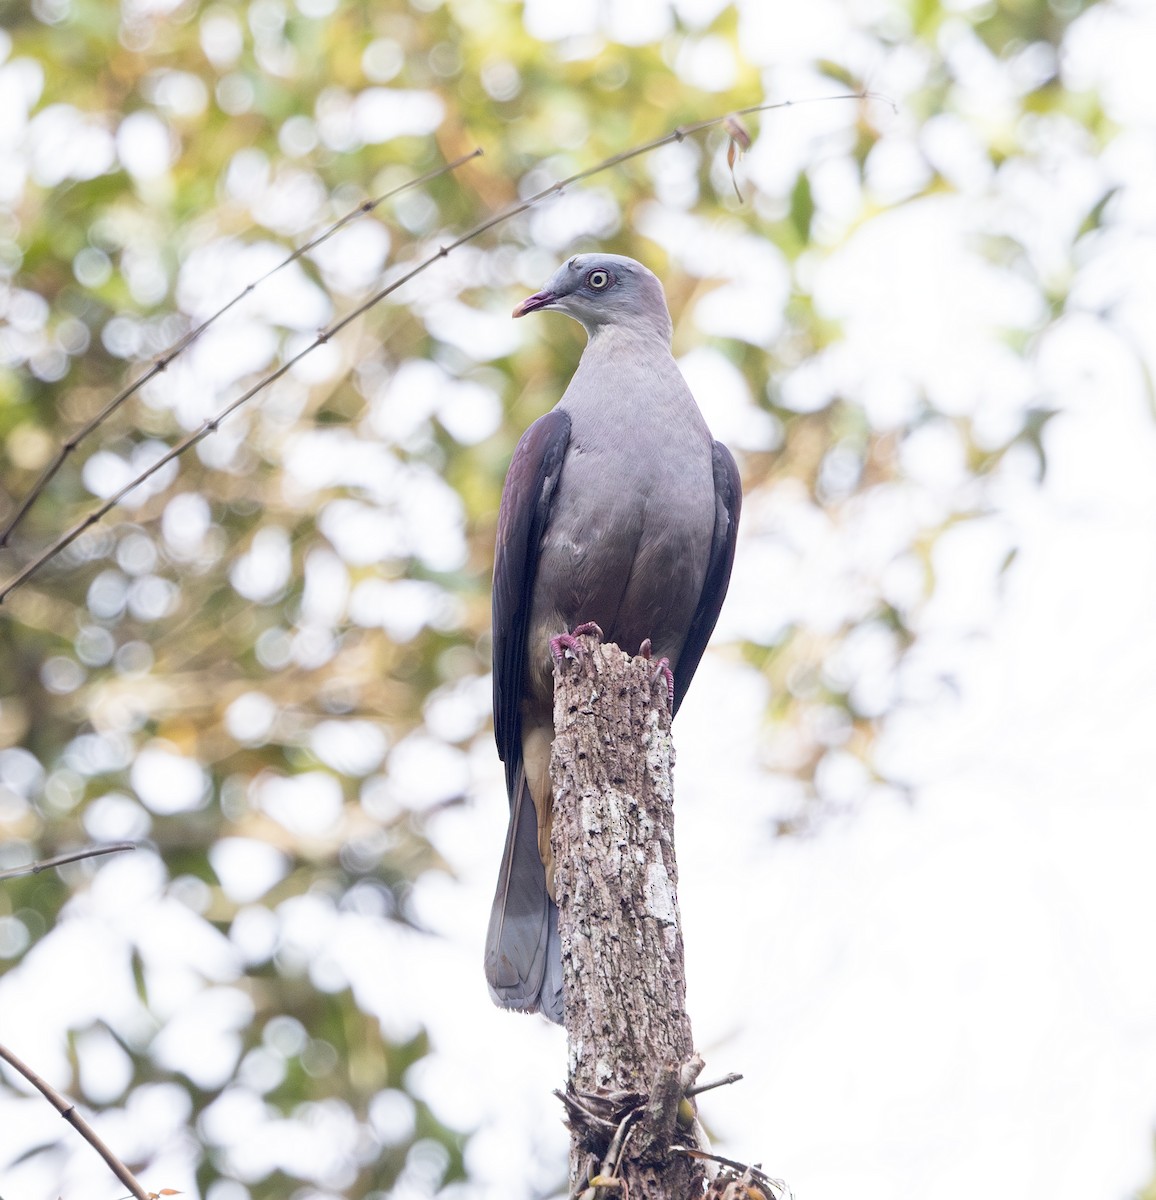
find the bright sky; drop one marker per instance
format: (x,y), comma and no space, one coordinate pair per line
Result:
(927,1000)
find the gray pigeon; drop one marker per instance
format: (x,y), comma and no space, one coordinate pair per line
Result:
(621,511)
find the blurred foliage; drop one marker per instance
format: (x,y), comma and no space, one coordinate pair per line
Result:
(303,599)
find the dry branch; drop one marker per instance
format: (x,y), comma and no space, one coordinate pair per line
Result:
(407,273)
(67,1110)
(162,362)
(59,860)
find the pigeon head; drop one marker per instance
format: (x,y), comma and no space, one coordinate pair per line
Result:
(604,290)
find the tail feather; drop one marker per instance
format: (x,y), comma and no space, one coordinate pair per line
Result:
(523,951)
(550,997)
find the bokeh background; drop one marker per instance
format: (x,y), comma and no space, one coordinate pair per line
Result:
(916,810)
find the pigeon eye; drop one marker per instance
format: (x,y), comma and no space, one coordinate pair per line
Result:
(599,279)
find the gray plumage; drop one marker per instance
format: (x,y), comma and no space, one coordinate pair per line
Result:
(619,508)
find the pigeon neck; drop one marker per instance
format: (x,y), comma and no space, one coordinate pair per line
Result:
(616,336)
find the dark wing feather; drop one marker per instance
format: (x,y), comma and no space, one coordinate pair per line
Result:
(530,486)
(728,503)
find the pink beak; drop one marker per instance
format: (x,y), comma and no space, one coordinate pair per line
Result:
(533,303)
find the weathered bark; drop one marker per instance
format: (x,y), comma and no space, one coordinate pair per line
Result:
(631,1052)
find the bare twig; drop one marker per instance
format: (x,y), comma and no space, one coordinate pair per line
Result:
(68,1111)
(698,1088)
(630,1111)
(211,424)
(162,362)
(758,1176)
(575,1104)
(60,859)
(607,1174)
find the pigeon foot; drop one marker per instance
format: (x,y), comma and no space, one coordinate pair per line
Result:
(568,642)
(662,671)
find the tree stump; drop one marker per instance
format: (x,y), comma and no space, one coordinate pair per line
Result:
(631,1053)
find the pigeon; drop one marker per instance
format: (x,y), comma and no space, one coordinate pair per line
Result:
(619,516)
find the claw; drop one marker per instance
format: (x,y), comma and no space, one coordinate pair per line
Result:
(645,650)
(662,669)
(568,643)
(561,645)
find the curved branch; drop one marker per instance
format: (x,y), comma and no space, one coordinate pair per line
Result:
(182,344)
(67,1110)
(407,273)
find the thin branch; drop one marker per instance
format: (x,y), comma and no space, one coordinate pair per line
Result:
(757,1175)
(574,1102)
(182,344)
(606,1175)
(211,424)
(699,1088)
(68,1111)
(60,859)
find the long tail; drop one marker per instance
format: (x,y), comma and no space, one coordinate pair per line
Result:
(523,951)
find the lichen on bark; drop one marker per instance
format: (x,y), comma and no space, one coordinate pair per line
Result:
(616,883)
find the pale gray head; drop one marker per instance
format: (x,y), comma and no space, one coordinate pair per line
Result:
(601,290)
